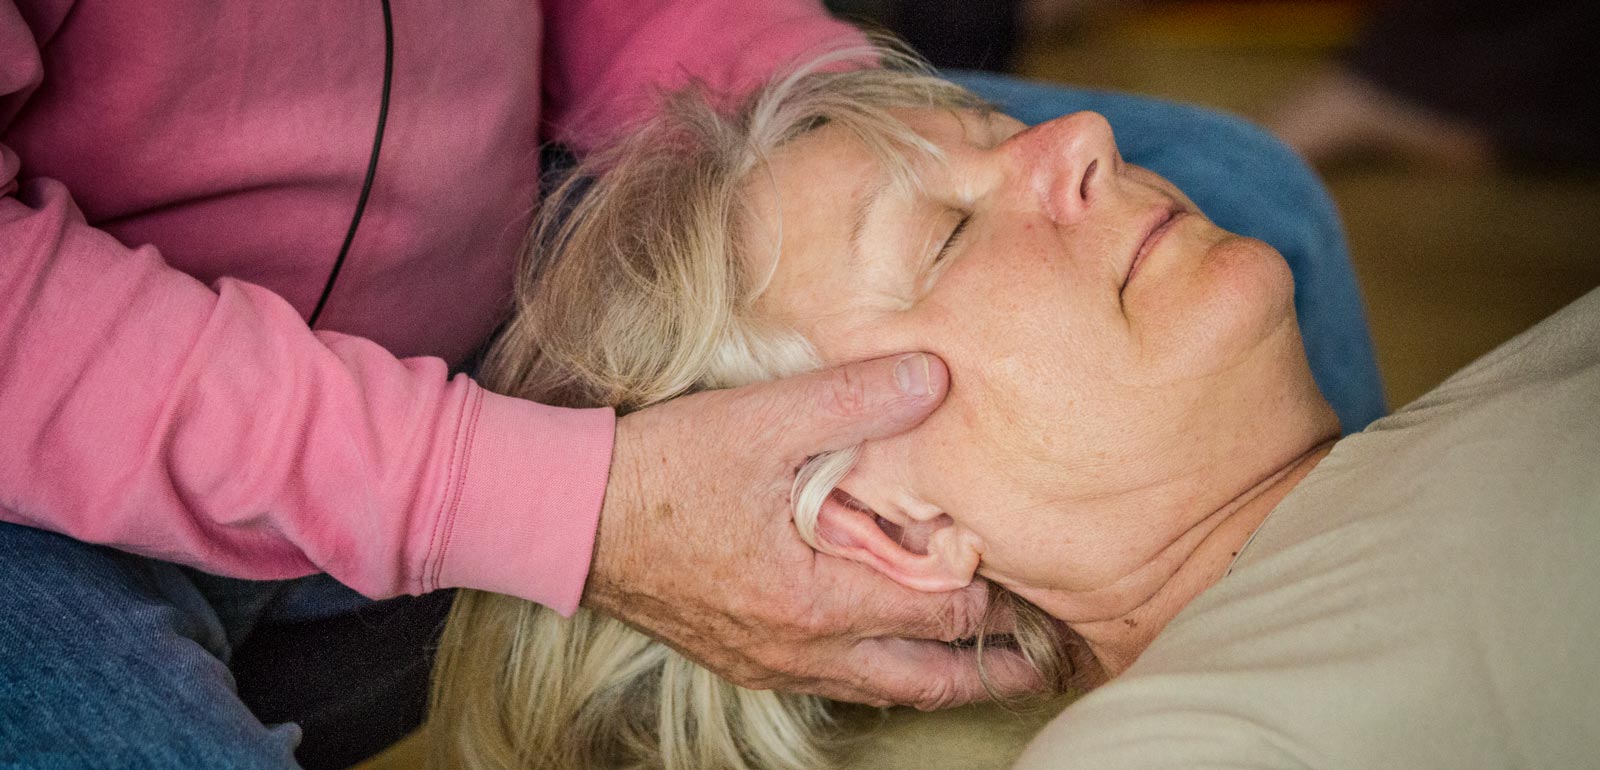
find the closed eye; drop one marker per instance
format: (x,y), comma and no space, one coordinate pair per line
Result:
(955,235)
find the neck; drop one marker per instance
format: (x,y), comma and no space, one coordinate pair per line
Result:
(1201,559)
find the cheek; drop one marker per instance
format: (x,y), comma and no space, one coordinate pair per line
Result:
(1031,380)
(1000,320)
(988,451)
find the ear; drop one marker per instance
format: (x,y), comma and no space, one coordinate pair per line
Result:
(927,553)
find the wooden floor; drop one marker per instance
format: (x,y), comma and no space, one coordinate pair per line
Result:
(1451,266)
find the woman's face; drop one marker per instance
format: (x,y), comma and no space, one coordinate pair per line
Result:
(1108,346)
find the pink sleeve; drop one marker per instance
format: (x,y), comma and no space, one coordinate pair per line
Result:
(607,60)
(208,425)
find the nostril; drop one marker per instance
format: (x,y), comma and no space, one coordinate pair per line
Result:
(1088,174)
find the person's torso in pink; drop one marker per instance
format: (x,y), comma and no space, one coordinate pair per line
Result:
(234,137)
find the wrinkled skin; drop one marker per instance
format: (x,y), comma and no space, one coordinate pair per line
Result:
(1124,374)
(1111,433)
(697,545)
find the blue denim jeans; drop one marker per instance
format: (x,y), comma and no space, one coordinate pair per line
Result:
(113,660)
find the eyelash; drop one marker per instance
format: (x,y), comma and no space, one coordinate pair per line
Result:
(955,234)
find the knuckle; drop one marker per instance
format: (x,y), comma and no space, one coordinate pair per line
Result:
(962,619)
(936,695)
(849,394)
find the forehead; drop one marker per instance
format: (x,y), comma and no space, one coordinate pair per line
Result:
(826,170)
(812,177)
(804,204)
(810,194)
(834,156)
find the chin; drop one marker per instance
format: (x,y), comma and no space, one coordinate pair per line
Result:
(1248,288)
(1240,296)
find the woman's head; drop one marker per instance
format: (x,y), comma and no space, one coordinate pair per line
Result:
(639,280)
(640,284)
(1120,367)
(713,249)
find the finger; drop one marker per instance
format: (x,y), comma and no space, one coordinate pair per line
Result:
(999,617)
(929,675)
(844,406)
(866,604)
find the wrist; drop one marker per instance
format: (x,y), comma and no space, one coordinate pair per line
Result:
(614,546)
(518,514)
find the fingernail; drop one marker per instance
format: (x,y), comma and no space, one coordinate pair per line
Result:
(913,375)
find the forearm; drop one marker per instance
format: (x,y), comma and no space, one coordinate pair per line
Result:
(210,426)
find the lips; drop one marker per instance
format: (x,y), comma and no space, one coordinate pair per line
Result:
(1157,224)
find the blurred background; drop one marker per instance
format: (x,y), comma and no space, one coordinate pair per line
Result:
(1459,138)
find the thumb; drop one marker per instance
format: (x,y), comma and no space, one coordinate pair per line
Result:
(847,405)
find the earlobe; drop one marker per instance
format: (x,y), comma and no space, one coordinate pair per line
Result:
(947,559)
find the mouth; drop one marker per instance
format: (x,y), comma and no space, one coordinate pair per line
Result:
(1156,225)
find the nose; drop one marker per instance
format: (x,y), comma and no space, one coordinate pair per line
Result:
(1067,164)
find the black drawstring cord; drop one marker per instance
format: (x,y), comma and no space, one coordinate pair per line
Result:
(372,163)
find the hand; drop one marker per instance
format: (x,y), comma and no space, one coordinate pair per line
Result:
(697,546)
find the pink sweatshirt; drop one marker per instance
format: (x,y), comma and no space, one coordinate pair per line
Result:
(176,179)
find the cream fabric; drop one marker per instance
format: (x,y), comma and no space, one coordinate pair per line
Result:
(1428,597)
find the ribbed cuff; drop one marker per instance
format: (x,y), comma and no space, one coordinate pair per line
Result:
(526,501)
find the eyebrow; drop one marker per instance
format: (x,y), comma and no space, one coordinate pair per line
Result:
(859,216)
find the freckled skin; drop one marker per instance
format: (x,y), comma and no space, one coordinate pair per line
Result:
(1089,431)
